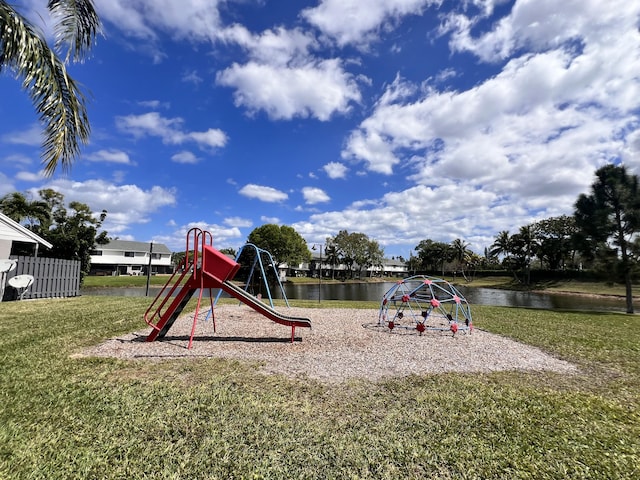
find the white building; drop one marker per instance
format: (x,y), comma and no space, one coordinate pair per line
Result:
(11,231)
(390,267)
(122,257)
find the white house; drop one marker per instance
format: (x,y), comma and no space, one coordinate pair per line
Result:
(122,257)
(389,268)
(11,231)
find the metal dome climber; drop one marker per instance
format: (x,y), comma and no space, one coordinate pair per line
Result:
(424,303)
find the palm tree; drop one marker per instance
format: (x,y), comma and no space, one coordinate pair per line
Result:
(332,258)
(461,254)
(527,236)
(502,245)
(56,96)
(18,207)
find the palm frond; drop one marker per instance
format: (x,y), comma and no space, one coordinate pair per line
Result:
(77,26)
(55,95)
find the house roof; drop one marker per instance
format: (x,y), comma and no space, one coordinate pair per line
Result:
(13,231)
(130,246)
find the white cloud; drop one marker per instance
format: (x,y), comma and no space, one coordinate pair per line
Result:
(515,148)
(335,170)
(196,20)
(539,25)
(185,157)
(109,156)
(527,118)
(317,89)
(282,78)
(169,130)
(6,185)
(212,138)
(125,204)
(31,136)
(30,176)
(238,222)
(224,237)
(274,220)
(274,47)
(17,159)
(153,104)
(153,124)
(192,77)
(313,195)
(263,193)
(355,22)
(409,216)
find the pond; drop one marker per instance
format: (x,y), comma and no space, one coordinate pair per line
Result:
(375,292)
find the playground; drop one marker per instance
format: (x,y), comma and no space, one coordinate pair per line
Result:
(325,344)
(340,346)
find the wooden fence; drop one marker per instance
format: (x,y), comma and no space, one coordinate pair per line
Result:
(52,277)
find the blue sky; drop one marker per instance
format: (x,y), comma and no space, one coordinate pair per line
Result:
(400,119)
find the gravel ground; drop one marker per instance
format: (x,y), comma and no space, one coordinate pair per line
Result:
(343,344)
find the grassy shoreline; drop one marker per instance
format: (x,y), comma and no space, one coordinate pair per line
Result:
(66,417)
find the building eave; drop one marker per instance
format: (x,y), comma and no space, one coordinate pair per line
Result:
(24,232)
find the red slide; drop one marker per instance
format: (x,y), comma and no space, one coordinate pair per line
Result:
(215,271)
(263,308)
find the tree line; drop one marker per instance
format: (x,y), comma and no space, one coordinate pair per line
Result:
(601,235)
(354,250)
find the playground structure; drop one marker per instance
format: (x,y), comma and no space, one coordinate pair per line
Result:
(205,268)
(423,304)
(261,256)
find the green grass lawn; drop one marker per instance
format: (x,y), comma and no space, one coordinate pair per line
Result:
(68,417)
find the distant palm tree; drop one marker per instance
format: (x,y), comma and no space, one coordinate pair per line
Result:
(527,236)
(56,96)
(502,245)
(332,258)
(461,254)
(18,207)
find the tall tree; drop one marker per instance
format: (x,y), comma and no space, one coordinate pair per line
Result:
(56,96)
(74,234)
(433,255)
(523,246)
(332,256)
(507,246)
(502,245)
(611,213)
(555,240)
(18,207)
(374,257)
(461,254)
(283,243)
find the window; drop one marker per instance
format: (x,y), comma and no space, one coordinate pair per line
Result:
(96,253)
(156,256)
(129,254)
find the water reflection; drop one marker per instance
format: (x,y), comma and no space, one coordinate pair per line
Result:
(375,292)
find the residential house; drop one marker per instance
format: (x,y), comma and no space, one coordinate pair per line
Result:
(11,231)
(123,257)
(391,267)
